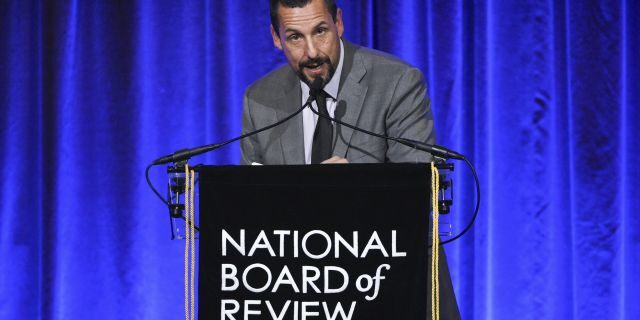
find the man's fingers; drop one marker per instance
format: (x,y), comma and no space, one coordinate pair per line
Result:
(335,159)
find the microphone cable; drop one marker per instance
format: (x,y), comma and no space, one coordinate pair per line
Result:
(435,150)
(185,154)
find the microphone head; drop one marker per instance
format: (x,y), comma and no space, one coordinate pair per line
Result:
(316,86)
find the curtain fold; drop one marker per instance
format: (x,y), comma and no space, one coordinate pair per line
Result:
(542,96)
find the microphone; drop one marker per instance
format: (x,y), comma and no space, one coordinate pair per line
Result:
(316,87)
(185,154)
(435,150)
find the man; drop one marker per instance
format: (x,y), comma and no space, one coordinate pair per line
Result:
(362,87)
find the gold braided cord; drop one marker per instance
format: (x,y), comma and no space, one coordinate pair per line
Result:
(187,242)
(192,227)
(190,245)
(435,240)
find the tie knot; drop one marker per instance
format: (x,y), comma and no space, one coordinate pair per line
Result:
(321,102)
(324,96)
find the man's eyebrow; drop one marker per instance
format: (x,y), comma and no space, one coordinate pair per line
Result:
(320,24)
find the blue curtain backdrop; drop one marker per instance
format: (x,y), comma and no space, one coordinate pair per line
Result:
(541,95)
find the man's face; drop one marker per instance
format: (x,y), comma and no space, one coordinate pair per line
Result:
(310,40)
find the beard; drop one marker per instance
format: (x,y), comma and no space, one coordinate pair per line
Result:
(331,70)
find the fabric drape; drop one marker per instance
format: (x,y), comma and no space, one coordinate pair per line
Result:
(542,96)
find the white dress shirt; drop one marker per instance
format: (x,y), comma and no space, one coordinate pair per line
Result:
(309,119)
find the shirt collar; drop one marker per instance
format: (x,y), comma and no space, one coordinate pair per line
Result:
(332,87)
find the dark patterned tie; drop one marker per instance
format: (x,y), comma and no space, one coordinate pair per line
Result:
(323,135)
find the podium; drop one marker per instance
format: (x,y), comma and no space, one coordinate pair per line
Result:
(317,242)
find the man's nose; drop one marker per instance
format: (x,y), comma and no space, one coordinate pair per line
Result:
(312,51)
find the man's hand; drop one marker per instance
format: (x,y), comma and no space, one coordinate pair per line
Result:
(334,160)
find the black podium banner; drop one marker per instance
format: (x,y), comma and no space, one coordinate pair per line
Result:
(314,242)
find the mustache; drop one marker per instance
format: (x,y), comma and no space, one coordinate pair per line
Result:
(314,62)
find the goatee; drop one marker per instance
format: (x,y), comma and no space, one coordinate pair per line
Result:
(316,63)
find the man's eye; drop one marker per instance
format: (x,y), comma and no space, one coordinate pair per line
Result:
(294,37)
(321,30)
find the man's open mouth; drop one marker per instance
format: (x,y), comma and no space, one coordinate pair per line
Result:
(314,65)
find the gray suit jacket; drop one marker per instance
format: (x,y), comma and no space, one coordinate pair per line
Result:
(378,92)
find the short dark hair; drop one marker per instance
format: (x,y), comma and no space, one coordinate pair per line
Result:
(274,4)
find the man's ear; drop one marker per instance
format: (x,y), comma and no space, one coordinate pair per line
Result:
(339,23)
(276,38)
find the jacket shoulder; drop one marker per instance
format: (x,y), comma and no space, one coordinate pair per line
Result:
(373,57)
(273,83)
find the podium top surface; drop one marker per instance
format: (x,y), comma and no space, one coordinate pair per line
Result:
(328,174)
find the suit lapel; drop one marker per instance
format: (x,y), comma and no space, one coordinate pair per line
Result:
(290,141)
(350,98)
